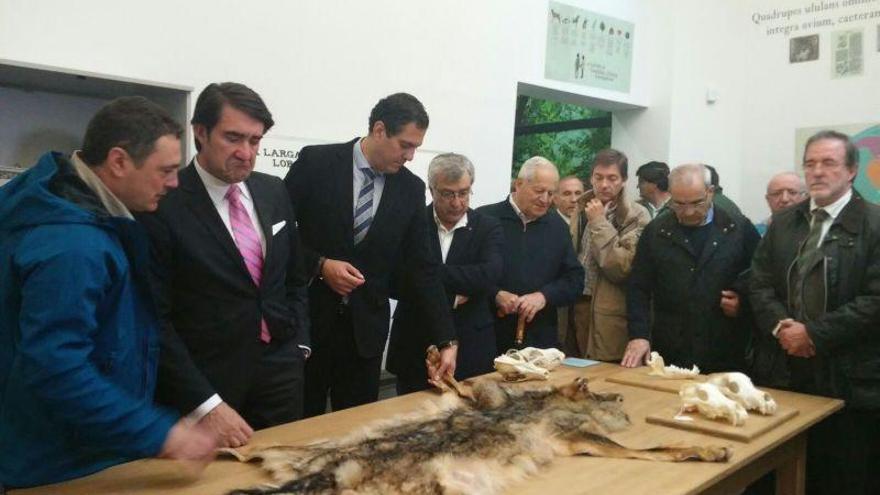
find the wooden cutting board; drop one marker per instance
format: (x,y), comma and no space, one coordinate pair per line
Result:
(639,377)
(755,425)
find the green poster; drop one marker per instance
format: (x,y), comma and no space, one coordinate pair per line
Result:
(588,48)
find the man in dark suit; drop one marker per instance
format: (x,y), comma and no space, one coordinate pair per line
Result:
(541,271)
(467,245)
(361,217)
(225,274)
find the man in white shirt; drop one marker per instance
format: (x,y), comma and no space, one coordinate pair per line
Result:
(227,279)
(467,244)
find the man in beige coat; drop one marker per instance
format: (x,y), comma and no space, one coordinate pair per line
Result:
(607,249)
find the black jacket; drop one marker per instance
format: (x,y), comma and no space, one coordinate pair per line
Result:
(209,304)
(320,187)
(685,287)
(538,257)
(847,336)
(473,266)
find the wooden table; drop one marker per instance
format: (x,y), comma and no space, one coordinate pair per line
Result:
(782,449)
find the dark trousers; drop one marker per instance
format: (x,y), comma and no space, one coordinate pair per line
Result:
(337,370)
(276,393)
(843,454)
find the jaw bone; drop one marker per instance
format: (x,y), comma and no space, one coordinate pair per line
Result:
(658,368)
(709,401)
(739,387)
(530,363)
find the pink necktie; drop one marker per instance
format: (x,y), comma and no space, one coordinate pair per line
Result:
(248,242)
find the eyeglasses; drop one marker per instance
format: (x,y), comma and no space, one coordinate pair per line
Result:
(676,205)
(449,195)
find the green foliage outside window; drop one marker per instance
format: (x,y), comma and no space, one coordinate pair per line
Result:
(572,151)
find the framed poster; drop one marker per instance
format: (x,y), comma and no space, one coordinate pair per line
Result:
(587,48)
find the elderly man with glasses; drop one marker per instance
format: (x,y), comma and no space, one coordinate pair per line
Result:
(467,246)
(689,268)
(783,190)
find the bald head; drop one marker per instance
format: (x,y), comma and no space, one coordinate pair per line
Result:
(691,190)
(690,174)
(785,189)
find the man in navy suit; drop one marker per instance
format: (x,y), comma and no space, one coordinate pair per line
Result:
(227,278)
(467,244)
(361,218)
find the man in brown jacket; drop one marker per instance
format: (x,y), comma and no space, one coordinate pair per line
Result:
(607,249)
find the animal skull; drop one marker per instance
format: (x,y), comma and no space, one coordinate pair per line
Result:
(528,364)
(658,368)
(548,359)
(709,401)
(739,387)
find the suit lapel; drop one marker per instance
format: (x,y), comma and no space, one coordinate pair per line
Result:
(198,200)
(342,187)
(461,238)
(264,208)
(433,237)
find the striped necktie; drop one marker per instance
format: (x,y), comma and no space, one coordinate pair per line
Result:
(248,242)
(363,210)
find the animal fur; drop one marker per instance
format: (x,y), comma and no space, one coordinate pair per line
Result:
(477,445)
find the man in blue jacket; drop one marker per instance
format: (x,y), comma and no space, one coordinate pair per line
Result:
(78,331)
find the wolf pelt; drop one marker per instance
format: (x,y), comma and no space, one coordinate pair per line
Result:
(479,445)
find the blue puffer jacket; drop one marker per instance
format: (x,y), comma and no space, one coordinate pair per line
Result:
(78,333)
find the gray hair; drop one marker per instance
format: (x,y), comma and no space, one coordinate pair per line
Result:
(452,166)
(530,166)
(689,171)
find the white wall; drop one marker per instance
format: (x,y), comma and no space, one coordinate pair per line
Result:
(749,133)
(321,65)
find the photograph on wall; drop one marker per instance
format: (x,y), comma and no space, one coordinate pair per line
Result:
(587,48)
(803,49)
(866,137)
(846,51)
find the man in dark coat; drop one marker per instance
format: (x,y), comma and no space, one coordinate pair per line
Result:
(467,246)
(815,288)
(541,271)
(361,216)
(689,267)
(226,276)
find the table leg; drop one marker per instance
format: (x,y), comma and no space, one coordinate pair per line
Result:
(791,474)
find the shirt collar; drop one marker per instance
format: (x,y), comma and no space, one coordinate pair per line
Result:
(565,218)
(462,222)
(519,212)
(217,188)
(360,159)
(109,200)
(710,216)
(834,208)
